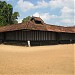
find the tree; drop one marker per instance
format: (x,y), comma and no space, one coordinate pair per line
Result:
(2,13)
(2,21)
(15,16)
(9,13)
(26,19)
(7,16)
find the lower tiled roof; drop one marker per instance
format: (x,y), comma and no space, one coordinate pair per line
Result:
(32,26)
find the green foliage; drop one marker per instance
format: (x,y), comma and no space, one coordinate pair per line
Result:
(26,19)
(15,16)
(7,16)
(2,21)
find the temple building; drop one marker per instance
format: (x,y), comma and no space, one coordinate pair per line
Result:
(36,32)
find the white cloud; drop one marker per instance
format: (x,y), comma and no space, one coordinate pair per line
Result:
(44,16)
(2,0)
(62,3)
(56,3)
(54,19)
(67,13)
(67,21)
(66,10)
(41,4)
(27,5)
(69,3)
(36,14)
(19,20)
(5,0)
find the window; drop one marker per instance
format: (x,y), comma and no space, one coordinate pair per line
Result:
(38,22)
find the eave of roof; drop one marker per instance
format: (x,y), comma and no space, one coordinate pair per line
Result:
(60,29)
(32,26)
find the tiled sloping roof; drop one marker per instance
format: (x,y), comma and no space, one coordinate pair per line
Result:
(60,29)
(72,28)
(32,26)
(37,18)
(20,26)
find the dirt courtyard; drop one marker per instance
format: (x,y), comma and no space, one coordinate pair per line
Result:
(39,60)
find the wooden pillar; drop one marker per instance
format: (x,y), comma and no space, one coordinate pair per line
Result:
(37,35)
(4,36)
(43,35)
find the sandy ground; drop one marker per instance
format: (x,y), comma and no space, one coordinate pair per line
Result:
(40,60)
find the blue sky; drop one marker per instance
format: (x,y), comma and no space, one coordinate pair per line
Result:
(57,12)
